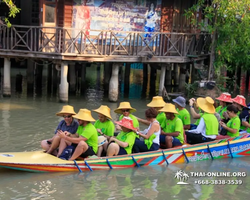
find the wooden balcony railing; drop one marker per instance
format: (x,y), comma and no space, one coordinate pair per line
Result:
(102,43)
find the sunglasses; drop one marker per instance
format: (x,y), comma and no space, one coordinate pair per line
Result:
(67,116)
(127,110)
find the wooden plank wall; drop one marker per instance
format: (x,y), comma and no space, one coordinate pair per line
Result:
(167,16)
(65,12)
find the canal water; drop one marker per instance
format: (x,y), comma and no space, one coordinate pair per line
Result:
(25,121)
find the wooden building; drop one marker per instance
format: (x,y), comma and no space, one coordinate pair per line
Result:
(69,31)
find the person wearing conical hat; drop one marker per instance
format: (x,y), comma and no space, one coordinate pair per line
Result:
(172,132)
(105,127)
(125,110)
(67,124)
(156,103)
(183,114)
(225,100)
(123,143)
(86,142)
(240,102)
(207,129)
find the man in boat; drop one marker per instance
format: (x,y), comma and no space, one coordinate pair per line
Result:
(68,124)
(123,143)
(184,115)
(104,126)
(125,109)
(156,103)
(207,129)
(240,102)
(86,142)
(172,132)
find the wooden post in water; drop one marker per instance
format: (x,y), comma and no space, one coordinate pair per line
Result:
(6,78)
(64,85)
(55,79)
(168,80)
(30,77)
(83,78)
(72,79)
(39,78)
(49,78)
(182,79)
(145,81)
(127,79)
(176,74)
(162,79)
(153,72)
(107,76)
(113,84)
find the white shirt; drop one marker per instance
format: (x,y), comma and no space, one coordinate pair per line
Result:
(201,128)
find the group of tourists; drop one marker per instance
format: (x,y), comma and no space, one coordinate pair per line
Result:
(169,125)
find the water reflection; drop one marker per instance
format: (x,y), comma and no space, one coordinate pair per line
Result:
(138,183)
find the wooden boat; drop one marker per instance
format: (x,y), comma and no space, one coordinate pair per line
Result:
(37,161)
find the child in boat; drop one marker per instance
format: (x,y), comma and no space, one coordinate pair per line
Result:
(151,134)
(207,129)
(172,132)
(184,115)
(123,143)
(156,103)
(86,142)
(68,124)
(225,100)
(233,125)
(125,109)
(105,127)
(240,102)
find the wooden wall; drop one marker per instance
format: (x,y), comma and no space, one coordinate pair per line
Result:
(65,12)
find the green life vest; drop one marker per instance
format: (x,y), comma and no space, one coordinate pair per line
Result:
(221,110)
(212,124)
(149,141)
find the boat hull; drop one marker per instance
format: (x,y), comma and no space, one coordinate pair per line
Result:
(37,161)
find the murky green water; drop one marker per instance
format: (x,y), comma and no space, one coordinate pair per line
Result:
(24,122)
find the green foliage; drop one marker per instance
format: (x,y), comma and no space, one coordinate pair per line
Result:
(191,89)
(229,22)
(13,11)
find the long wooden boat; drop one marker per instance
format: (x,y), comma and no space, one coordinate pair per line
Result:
(37,161)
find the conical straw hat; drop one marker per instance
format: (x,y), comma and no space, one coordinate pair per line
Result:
(124,105)
(126,122)
(206,104)
(104,110)
(225,97)
(156,102)
(239,99)
(101,140)
(169,108)
(85,115)
(66,110)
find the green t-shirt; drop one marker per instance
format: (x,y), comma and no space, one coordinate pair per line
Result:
(107,127)
(234,123)
(90,133)
(161,118)
(221,110)
(135,121)
(198,120)
(128,137)
(184,115)
(174,125)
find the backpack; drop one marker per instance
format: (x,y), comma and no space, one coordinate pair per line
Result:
(67,152)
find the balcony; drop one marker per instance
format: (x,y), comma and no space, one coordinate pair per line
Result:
(57,43)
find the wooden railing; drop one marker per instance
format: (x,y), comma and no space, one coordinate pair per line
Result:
(68,41)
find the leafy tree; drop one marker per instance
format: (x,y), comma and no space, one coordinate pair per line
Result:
(13,11)
(228,22)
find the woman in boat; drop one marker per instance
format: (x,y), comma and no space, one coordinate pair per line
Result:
(104,126)
(123,143)
(151,134)
(156,103)
(225,100)
(172,131)
(125,110)
(68,124)
(183,114)
(207,130)
(240,102)
(233,125)
(194,114)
